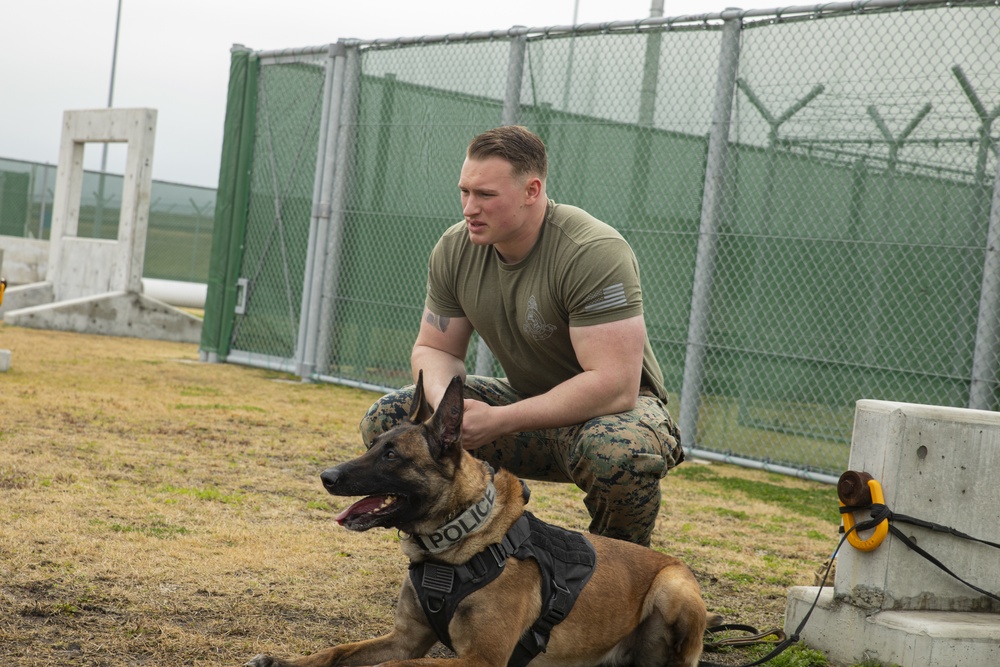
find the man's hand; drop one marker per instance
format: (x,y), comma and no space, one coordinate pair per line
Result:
(481,424)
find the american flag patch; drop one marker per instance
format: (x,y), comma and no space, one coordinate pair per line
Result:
(612,296)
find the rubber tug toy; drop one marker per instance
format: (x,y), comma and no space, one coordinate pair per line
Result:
(859,490)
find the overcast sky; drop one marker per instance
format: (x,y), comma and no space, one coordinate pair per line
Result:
(173,56)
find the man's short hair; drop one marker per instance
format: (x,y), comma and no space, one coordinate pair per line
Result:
(516,144)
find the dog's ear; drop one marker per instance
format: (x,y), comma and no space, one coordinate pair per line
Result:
(420,410)
(446,424)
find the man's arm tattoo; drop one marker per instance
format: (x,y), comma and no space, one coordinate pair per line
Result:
(438,322)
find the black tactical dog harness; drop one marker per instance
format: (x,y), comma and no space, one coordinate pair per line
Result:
(565,558)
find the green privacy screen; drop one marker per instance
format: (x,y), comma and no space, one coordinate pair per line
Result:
(812,197)
(180,216)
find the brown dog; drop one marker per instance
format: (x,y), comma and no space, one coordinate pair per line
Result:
(639,607)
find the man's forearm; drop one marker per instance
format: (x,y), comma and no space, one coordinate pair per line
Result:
(582,397)
(576,400)
(438,367)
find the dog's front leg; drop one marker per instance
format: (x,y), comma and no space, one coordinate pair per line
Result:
(393,646)
(411,637)
(358,654)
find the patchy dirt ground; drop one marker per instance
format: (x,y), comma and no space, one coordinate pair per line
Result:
(161,511)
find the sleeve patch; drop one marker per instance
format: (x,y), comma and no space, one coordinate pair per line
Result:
(607,298)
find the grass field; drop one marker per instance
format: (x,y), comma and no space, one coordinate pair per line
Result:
(155,510)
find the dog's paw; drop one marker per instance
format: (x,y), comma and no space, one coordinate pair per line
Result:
(262,660)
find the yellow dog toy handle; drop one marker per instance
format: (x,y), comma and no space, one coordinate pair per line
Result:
(859,489)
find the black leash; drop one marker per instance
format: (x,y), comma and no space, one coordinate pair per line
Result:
(754,637)
(880,512)
(794,637)
(785,642)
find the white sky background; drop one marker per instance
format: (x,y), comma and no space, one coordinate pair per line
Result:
(173,56)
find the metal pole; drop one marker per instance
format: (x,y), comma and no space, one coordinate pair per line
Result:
(641,176)
(878,266)
(896,143)
(763,232)
(986,119)
(41,203)
(344,129)
(326,146)
(650,70)
(111,87)
(985,356)
(99,210)
(711,217)
(515,73)
(509,116)
(569,60)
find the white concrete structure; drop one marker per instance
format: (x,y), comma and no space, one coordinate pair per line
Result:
(25,260)
(890,604)
(95,285)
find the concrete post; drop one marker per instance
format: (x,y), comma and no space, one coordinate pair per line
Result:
(890,604)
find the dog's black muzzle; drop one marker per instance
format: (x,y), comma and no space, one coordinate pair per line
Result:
(331,479)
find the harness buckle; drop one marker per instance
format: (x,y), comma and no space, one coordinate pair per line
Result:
(561,598)
(501,550)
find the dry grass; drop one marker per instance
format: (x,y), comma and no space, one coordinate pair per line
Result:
(160,511)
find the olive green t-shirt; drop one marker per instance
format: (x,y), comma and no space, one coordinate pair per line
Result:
(580,272)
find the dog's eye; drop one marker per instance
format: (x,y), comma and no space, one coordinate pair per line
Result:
(390,454)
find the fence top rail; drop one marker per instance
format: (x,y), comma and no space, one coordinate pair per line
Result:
(690,21)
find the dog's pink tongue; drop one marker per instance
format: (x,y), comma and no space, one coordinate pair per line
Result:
(363,506)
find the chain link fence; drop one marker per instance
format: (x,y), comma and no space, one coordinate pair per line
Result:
(812,195)
(178,239)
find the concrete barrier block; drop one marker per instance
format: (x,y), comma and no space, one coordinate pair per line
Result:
(934,463)
(849,635)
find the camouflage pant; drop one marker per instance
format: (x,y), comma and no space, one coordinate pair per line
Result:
(617,460)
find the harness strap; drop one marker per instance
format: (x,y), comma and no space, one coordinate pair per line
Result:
(566,560)
(554,611)
(440,586)
(570,558)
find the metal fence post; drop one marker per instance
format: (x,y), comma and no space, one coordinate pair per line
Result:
(515,74)
(305,348)
(711,216)
(509,116)
(650,69)
(345,115)
(42,201)
(985,355)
